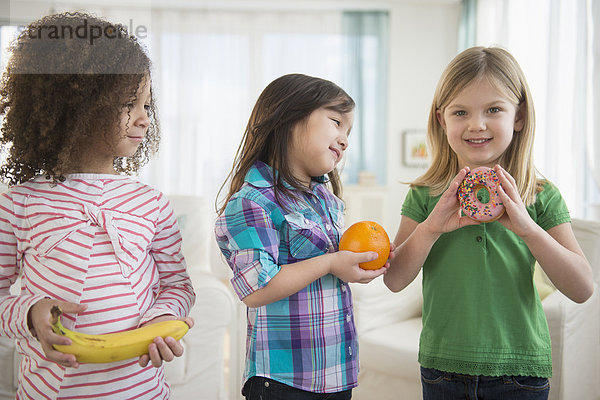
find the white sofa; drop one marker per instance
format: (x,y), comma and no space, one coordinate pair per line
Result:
(389,326)
(203,372)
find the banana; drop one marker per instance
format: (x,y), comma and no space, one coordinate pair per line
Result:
(112,347)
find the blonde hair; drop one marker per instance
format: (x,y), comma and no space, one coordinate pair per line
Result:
(503,72)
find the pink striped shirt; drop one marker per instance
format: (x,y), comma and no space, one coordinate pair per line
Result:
(103,240)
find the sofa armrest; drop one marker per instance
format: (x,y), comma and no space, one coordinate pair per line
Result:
(575,345)
(200,372)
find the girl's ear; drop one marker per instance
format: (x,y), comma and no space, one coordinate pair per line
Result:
(440,117)
(520,118)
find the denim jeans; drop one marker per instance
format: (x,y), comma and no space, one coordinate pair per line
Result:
(440,385)
(259,388)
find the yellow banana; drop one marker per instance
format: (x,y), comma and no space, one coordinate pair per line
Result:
(112,347)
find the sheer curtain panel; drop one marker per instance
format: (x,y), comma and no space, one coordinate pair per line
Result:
(554,42)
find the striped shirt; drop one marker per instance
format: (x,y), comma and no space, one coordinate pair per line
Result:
(307,340)
(103,240)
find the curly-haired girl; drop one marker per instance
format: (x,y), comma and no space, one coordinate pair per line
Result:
(79,114)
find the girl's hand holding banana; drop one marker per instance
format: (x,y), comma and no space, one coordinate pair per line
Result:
(155,341)
(40,327)
(163,349)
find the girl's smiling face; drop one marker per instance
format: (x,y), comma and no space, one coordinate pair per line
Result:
(479,124)
(134,121)
(318,144)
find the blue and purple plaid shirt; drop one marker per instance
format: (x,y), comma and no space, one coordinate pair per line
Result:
(307,340)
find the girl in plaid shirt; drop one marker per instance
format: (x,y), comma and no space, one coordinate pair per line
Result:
(279,231)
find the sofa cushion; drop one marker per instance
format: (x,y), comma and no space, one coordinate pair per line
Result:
(542,283)
(8,378)
(199,373)
(392,349)
(376,306)
(195,225)
(588,237)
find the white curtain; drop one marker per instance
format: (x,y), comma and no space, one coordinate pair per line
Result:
(593,142)
(552,41)
(366,80)
(212,62)
(210,68)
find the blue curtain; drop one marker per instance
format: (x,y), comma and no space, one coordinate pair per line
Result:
(366,80)
(468,23)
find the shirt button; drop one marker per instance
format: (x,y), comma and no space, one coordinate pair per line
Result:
(328,227)
(348,318)
(343,288)
(266,384)
(479,238)
(350,350)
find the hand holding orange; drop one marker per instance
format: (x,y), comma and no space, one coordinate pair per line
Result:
(367,236)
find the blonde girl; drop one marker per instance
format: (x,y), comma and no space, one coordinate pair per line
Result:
(484,329)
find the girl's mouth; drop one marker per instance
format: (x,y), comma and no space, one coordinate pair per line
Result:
(478,142)
(336,152)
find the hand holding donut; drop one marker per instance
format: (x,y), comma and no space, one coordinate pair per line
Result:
(446,216)
(516,218)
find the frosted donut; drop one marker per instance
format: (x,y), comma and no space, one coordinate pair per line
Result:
(478,195)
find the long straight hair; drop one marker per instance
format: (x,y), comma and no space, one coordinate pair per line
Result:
(287,101)
(501,69)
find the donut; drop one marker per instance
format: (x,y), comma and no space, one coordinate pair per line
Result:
(478,195)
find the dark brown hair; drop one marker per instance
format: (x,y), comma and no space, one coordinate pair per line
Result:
(62,91)
(287,101)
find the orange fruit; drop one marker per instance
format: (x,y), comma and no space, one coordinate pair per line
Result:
(367,236)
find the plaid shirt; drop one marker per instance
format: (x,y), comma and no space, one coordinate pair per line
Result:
(307,340)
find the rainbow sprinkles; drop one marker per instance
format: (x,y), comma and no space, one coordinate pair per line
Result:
(478,195)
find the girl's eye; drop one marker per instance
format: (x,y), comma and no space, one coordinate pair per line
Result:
(147,108)
(460,113)
(338,123)
(494,110)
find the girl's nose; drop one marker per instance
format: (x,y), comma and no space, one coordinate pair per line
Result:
(343,142)
(476,123)
(143,120)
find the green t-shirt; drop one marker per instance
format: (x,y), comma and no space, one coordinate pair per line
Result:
(481,312)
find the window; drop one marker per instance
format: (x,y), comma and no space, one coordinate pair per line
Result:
(210,66)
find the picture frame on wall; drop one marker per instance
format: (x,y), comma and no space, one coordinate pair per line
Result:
(414,148)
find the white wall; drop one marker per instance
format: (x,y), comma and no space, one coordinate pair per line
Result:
(423,40)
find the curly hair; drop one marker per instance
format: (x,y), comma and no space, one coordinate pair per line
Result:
(66,83)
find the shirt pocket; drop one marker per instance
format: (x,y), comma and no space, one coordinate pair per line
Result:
(337,217)
(305,236)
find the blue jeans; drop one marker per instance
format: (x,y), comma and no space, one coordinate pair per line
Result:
(440,385)
(259,388)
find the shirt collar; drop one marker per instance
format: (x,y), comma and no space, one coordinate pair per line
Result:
(261,175)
